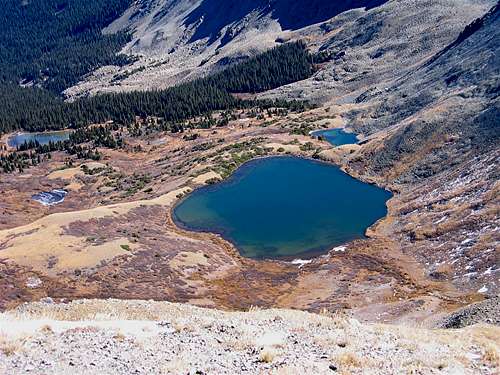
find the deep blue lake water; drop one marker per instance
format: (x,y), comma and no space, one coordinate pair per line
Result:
(43,138)
(284,207)
(336,137)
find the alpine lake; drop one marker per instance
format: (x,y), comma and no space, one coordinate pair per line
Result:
(285,207)
(43,137)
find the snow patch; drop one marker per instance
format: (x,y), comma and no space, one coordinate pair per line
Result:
(340,249)
(300,262)
(441,220)
(484,289)
(50,198)
(33,282)
(489,271)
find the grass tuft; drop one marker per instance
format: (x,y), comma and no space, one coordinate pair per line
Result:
(267,355)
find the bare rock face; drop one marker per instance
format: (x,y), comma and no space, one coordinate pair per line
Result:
(180,39)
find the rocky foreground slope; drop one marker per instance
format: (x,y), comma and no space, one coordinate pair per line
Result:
(132,337)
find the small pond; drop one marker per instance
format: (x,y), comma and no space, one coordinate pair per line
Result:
(284,207)
(50,198)
(336,137)
(42,138)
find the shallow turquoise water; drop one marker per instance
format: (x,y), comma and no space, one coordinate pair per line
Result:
(336,137)
(43,138)
(284,207)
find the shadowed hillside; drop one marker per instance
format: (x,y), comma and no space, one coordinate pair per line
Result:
(211,17)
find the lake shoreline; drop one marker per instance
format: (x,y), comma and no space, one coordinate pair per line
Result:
(7,138)
(307,254)
(346,136)
(222,276)
(4,141)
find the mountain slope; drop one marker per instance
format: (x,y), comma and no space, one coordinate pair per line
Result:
(417,84)
(425,108)
(435,128)
(123,337)
(179,40)
(53,44)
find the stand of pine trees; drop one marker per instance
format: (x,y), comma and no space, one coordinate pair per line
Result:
(53,43)
(49,45)
(279,66)
(31,152)
(34,109)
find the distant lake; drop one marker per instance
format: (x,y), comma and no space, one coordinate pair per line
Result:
(43,138)
(284,207)
(336,137)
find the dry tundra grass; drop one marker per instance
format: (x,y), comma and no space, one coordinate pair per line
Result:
(277,341)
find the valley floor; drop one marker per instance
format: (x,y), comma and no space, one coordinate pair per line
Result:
(113,236)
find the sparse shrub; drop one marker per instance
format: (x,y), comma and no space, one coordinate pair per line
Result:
(267,355)
(8,348)
(492,356)
(308,146)
(348,359)
(46,329)
(212,181)
(120,337)
(181,326)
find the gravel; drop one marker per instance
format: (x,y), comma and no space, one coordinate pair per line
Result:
(487,311)
(146,337)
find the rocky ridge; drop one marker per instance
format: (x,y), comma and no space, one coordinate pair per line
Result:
(124,337)
(178,40)
(485,311)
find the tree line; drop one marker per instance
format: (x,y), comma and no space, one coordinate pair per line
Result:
(34,109)
(285,64)
(82,143)
(53,43)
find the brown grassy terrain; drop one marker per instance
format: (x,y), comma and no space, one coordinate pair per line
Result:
(113,236)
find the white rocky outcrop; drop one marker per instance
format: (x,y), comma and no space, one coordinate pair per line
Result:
(125,337)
